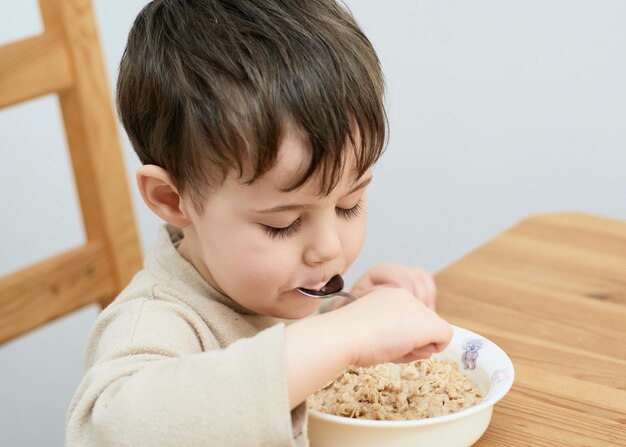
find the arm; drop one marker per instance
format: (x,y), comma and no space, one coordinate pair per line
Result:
(152,384)
(315,354)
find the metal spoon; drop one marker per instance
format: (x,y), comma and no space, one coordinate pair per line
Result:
(334,287)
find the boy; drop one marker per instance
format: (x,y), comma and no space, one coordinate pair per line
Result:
(257,124)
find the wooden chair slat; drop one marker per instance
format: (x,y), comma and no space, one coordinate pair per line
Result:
(33,67)
(38,294)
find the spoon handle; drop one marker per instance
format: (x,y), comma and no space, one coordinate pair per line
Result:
(346,295)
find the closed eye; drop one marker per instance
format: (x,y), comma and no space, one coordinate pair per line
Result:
(283,232)
(291,229)
(349,213)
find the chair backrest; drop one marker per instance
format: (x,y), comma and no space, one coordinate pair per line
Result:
(67,60)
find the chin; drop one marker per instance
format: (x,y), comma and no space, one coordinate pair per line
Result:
(297,307)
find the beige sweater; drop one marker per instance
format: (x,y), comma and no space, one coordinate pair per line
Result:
(173,362)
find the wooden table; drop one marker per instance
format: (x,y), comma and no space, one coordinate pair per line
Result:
(551,292)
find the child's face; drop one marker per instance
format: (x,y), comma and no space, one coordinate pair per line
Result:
(258,257)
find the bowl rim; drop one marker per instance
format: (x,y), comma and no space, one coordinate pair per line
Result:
(482,405)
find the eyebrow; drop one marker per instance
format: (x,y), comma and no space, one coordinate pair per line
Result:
(297,206)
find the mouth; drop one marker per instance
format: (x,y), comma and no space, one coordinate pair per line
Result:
(315,287)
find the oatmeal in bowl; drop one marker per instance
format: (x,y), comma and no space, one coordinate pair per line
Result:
(446,400)
(396,392)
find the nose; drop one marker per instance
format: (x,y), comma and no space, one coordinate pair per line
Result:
(324,245)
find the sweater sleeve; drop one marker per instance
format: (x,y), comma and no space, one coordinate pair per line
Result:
(152,382)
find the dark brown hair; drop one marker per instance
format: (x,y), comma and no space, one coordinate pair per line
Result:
(208,86)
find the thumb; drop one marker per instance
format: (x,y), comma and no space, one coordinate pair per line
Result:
(421,353)
(362,286)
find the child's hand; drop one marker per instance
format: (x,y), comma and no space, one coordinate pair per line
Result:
(385,325)
(415,280)
(391,325)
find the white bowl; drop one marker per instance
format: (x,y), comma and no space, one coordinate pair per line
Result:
(493,374)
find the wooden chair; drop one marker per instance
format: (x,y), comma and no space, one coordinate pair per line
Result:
(66,60)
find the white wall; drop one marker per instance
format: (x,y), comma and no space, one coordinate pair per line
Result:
(498,109)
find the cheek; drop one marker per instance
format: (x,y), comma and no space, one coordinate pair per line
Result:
(353,239)
(264,264)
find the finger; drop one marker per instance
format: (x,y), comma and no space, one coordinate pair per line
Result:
(383,275)
(390,274)
(432,292)
(430,348)
(420,291)
(422,294)
(421,353)
(430,299)
(362,286)
(427,285)
(412,357)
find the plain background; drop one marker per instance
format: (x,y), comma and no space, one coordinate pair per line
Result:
(498,110)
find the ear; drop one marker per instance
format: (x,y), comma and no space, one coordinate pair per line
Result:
(160,194)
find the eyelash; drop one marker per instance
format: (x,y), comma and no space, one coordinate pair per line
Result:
(284,232)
